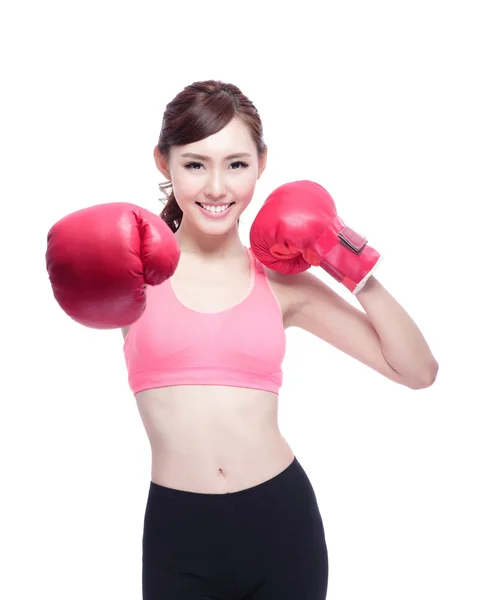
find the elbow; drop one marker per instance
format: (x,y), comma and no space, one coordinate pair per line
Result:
(428,379)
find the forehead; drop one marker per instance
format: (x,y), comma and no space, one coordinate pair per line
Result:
(234,138)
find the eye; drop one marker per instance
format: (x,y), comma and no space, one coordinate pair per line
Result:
(191,165)
(240,162)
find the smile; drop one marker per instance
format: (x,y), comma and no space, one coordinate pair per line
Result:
(215,210)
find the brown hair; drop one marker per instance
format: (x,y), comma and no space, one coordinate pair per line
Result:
(200,110)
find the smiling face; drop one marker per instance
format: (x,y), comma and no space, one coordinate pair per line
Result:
(214,179)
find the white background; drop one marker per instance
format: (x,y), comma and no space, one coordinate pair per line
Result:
(378,102)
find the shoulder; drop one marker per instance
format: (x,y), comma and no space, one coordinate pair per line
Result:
(288,289)
(301,290)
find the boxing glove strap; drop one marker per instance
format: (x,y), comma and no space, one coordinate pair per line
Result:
(352,240)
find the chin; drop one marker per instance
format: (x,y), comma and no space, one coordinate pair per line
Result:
(216,228)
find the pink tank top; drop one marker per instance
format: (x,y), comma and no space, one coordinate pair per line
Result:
(242,346)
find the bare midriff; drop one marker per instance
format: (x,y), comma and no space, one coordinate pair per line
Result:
(213,439)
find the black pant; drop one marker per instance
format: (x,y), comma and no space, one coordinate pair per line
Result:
(263,543)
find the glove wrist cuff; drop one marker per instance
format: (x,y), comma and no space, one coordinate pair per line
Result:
(351,261)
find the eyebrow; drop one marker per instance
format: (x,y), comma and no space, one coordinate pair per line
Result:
(201,157)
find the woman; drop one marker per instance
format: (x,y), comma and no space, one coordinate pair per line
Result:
(231,513)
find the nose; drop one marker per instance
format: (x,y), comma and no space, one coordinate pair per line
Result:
(215,186)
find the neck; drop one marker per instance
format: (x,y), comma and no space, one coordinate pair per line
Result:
(209,246)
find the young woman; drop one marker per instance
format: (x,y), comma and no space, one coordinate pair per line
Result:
(231,514)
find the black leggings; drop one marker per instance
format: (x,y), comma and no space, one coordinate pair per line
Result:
(263,543)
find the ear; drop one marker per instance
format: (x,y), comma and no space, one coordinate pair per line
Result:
(262,162)
(161,163)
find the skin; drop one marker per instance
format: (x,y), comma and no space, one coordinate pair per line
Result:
(215,181)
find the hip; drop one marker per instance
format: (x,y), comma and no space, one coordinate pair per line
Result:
(230,544)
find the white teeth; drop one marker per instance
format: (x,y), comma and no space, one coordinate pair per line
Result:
(215,209)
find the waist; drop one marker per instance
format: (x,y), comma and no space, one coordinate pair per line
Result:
(240,468)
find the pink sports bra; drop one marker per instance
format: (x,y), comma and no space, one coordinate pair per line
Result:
(242,346)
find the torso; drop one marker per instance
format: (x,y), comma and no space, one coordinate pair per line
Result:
(215,439)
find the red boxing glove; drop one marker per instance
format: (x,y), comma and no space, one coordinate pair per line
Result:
(298,227)
(99,260)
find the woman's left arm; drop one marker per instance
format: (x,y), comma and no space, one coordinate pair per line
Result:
(384,337)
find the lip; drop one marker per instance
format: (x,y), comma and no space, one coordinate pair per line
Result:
(218,215)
